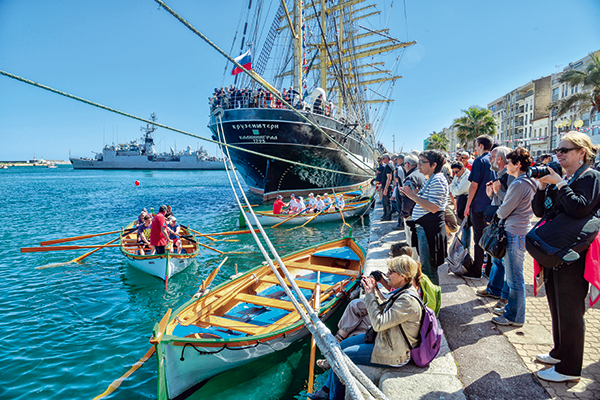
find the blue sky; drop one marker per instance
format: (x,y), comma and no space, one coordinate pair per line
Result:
(134,57)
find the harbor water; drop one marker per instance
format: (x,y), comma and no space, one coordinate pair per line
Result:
(69,330)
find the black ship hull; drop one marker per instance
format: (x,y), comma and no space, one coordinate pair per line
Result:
(282,133)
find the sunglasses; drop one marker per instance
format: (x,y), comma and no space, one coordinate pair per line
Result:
(563,150)
(423,162)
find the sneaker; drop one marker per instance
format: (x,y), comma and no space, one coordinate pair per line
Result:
(319,395)
(499,311)
(501,303)
(547,359)
(505,322)
(485,293)
(386,219)
(552,376)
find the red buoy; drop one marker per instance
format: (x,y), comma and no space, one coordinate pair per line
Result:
(137,183)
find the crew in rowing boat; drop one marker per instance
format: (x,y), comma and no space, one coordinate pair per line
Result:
(320,205)
(169,212)
(294,206)
(339,202)
(312,203)
(278,205)
(173,228)
(143,234)
(326,199)
(301,204)
(140,219)
(159,237)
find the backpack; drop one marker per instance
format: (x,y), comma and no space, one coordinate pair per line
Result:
(459,260)
(432,294)
(430,337)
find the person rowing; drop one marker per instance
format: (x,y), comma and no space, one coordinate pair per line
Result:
(319,204)
(312,203)
(173,228)
(339,202)
(143,236)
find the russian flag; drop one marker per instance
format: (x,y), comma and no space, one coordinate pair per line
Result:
(246,61)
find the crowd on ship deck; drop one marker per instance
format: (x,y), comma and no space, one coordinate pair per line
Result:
(235,97)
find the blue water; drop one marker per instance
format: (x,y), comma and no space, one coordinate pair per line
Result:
(69,330)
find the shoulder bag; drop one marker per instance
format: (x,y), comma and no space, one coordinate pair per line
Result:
(493,239)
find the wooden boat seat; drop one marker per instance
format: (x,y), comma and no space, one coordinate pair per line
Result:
(265,301)
(301,284)
(322,268)
(231,324)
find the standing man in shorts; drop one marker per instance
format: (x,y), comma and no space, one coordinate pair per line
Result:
(159,237)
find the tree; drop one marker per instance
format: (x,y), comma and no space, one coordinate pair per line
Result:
(589,98)
(438,141)
(476,122)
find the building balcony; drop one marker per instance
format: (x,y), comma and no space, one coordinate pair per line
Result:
(520,110)
(519,97)
(519,123)
(529,93)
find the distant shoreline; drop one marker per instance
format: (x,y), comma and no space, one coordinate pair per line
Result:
(43,163)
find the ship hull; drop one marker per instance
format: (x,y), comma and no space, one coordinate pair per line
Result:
(282,133)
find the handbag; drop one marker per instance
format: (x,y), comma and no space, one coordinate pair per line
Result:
(459,260)
(559,239)
(493,239)
(489,213)
(370,335)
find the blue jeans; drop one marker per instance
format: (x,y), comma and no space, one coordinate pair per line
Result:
(423,246)
(513,262)
(360,353)
(497,285)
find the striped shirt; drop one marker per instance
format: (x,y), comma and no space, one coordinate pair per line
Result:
(435,191)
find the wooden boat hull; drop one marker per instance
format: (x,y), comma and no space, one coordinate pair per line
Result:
(350,211)
(162,266)
(202,338)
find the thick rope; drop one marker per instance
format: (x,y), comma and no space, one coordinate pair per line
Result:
(73,97)
(263,83)
(323,337)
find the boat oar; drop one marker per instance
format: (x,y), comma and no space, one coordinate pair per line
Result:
(287,219)
(311,368)
(316,215)
(211,248)
(230,233)
(115,384)
(71,247)
(157,336)
(75,259)
(74,238)
(208,281)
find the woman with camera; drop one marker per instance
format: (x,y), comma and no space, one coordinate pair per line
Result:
(390,349)
(577,194)
(516,213)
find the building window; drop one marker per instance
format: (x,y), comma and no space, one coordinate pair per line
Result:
(555,94)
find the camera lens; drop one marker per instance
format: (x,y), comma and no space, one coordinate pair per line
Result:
(537,172)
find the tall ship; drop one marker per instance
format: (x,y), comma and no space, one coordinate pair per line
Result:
(140,154)
(338,77)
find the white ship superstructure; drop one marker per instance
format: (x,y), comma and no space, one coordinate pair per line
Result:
(141,155)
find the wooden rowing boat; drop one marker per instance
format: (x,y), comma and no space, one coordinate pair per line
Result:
(350,210)
(249,317)
(160,265)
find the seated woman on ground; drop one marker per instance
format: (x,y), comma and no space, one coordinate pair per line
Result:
(401,308)
(143,237)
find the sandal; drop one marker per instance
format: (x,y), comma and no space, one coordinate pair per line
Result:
(323,364)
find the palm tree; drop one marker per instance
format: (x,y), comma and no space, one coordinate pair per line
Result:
(476,122)
(589,98)
(438,141)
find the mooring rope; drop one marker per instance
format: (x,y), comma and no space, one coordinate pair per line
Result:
(113,110)
(341,364)
(262,82)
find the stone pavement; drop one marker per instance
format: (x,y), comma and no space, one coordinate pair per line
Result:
(480,360)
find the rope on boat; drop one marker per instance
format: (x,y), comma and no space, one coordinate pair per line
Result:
(98,105)
(262,82)
(356,382)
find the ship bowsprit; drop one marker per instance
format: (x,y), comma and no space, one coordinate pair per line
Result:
(283,134)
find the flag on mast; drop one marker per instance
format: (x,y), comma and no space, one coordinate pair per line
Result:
(245,60)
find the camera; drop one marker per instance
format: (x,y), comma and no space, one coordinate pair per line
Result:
(377,275)
(538,172)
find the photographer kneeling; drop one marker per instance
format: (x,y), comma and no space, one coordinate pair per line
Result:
(577,194)
(400,308)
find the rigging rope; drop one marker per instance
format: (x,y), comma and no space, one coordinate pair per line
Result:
(328,345)
(41,86)
(268,87)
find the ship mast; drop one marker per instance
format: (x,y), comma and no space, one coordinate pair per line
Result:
(298,51)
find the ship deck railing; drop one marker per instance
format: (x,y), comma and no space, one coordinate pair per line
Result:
(243,101)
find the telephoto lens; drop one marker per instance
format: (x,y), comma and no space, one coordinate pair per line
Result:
(538,172)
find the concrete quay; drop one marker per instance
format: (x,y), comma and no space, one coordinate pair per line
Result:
(478,359)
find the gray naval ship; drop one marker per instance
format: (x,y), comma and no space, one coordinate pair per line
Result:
(140,154)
